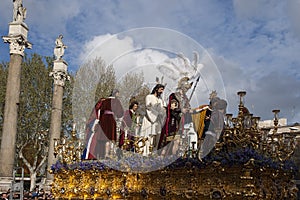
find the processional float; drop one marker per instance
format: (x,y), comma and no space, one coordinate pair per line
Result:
(247,162)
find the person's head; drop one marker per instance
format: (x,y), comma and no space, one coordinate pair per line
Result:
(184,85)
(158,90)
(174,104)
(221,105)
(134,105)
(114,93)
(4,195)
(214,101)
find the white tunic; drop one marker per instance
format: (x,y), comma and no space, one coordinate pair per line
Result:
(153,120)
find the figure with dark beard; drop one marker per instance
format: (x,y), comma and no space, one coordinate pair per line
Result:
(154,118)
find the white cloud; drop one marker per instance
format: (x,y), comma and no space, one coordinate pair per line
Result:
(107,47)
(144,49)
(123,54)
(273,90)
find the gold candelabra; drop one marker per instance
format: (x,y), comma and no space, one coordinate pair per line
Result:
(243,131)
(136,142)
(279,145)
(68,149)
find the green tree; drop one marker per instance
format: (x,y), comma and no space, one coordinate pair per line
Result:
(106,84)
(34,114)
(130,87)
(140,97)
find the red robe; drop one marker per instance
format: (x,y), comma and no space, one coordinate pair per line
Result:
(111,108)
(172,123)
(106,110)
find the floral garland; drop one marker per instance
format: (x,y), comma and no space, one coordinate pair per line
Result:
(126,163)
(238,157)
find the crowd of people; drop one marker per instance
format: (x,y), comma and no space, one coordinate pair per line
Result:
(161,126)
(36,194)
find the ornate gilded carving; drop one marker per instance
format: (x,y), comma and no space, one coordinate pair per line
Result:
(247,163)
(230,183)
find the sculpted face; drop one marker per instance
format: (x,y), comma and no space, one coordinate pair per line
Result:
(135,107)
(174,105)
(160,91)
(186,86)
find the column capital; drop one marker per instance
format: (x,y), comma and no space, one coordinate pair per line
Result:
(60,77)
(60,73)
(17,44)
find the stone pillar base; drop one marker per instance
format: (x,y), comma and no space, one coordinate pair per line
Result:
(17,28)
(48,185)
(5,183)
(60,65)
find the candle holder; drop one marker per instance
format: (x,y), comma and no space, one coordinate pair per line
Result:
(242,102)
(244,131)
(275,119)
(228,120)
(68,150)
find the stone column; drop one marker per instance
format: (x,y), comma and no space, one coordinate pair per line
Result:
(17,39)
(59,75)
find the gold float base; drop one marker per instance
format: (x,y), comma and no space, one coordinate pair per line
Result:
(189,182)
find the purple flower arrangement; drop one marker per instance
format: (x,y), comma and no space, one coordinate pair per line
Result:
(234,158)
(83,165)
(137,163)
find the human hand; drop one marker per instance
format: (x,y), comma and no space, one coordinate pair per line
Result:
(185,110)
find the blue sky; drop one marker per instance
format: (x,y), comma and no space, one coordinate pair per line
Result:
(255,44)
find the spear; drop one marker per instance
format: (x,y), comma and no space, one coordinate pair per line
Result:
(194,87)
